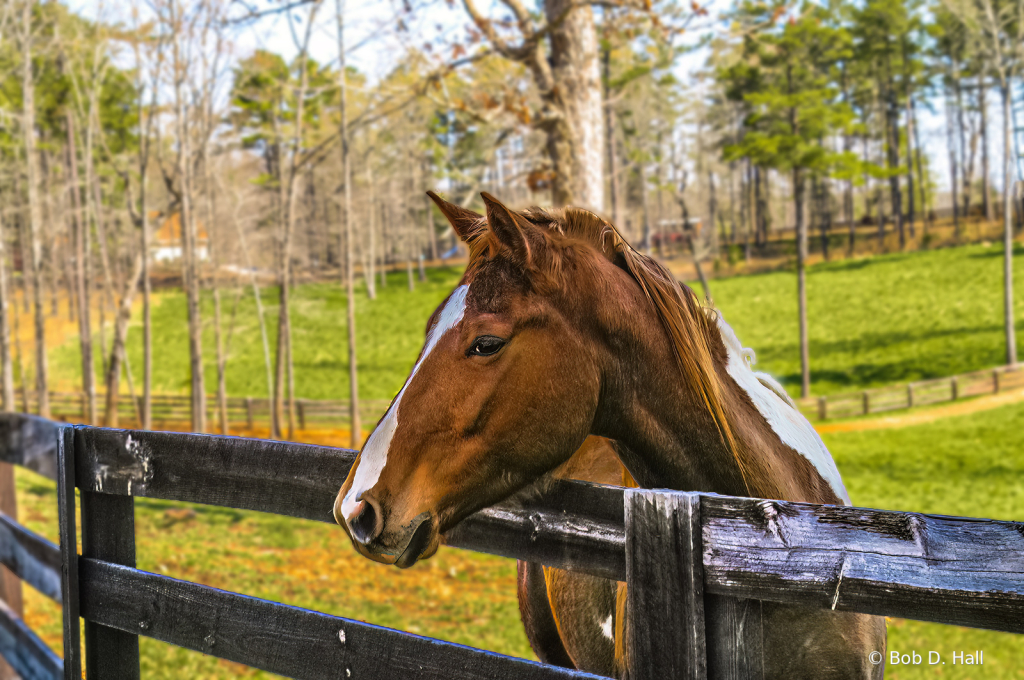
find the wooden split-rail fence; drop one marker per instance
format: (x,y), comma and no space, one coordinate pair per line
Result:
(173,411)
(698,565)
(918,393)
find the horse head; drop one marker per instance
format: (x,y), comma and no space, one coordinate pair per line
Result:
(506,387)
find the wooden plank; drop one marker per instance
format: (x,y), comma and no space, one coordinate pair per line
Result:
(279,638)
(24,651)
(300,480)
(108,533)
(68,553)
(959,571)
(569,525)
(733,630)
(664,577)
(30,557)
(29,441)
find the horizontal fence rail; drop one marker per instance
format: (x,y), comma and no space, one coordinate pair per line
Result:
(909,395)
(949,570)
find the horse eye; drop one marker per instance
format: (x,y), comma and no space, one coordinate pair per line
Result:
(486,345)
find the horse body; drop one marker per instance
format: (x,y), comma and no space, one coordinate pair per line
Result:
(559,330)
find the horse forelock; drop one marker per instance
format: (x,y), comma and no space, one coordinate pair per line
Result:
(689,324)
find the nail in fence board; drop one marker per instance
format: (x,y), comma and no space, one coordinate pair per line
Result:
(281,639)
(665,582)
(108,533)
(65,470)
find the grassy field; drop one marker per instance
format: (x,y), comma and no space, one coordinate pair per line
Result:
(873,322)
(969,465)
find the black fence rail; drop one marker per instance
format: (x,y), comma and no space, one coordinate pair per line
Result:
(919,393)
(697,564)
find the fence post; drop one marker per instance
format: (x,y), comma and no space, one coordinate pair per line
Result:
(910,395)
(301,406)
(822,408)
(665,585)
(954,388)
(68,552)
(248,413)
(108,534)
(867,402)
(995,381)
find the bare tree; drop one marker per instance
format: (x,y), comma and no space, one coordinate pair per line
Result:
(353,382)
(35,214)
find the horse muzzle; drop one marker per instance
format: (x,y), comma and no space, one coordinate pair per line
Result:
(402,545)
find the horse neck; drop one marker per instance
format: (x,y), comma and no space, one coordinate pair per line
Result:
(667,438)
(664,433)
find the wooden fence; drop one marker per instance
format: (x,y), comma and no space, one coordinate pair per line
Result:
(908,395)
(175,410)
(697,564)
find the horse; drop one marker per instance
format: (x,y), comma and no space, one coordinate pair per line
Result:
(558,331)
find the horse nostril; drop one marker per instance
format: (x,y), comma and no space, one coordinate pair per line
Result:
(364,522)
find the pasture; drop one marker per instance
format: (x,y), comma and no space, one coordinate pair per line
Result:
(873,321)
(968,465)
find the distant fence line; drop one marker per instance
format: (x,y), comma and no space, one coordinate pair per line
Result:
(247,412)
(918,393)
(253,412)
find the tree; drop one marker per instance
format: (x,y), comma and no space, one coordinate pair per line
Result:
(997,29)
(794,107)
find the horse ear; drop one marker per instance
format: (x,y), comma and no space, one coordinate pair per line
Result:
(465,222)
(508,230)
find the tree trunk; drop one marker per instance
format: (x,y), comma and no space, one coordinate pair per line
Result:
(355,426)
(1011,338)
(985,169)
(222,386)
(371,233)
(951,145)
(117,350)
(82,248)
(35,214)
(6,370)
(609,131)
(910,166)
(801,282)
(922,185)
(574,134)
(893,142)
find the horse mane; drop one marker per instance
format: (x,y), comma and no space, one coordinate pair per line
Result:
(689,324)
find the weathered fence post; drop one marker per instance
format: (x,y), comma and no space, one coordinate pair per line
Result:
(867,402)
(248,413)
(995,381)
(665,582)
(910,395)
(108,534)
(822,408)
(954,388)
(301,406)
(68,552)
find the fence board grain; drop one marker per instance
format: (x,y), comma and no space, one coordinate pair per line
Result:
(295,642)
(951,570)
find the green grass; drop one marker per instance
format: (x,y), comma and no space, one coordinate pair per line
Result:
(880,320)
(969,465)
(873,321)
(389,335)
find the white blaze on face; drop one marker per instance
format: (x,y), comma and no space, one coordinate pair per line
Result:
(375,452)
(778,409)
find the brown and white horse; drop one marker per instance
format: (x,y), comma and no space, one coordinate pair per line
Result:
(557,331)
